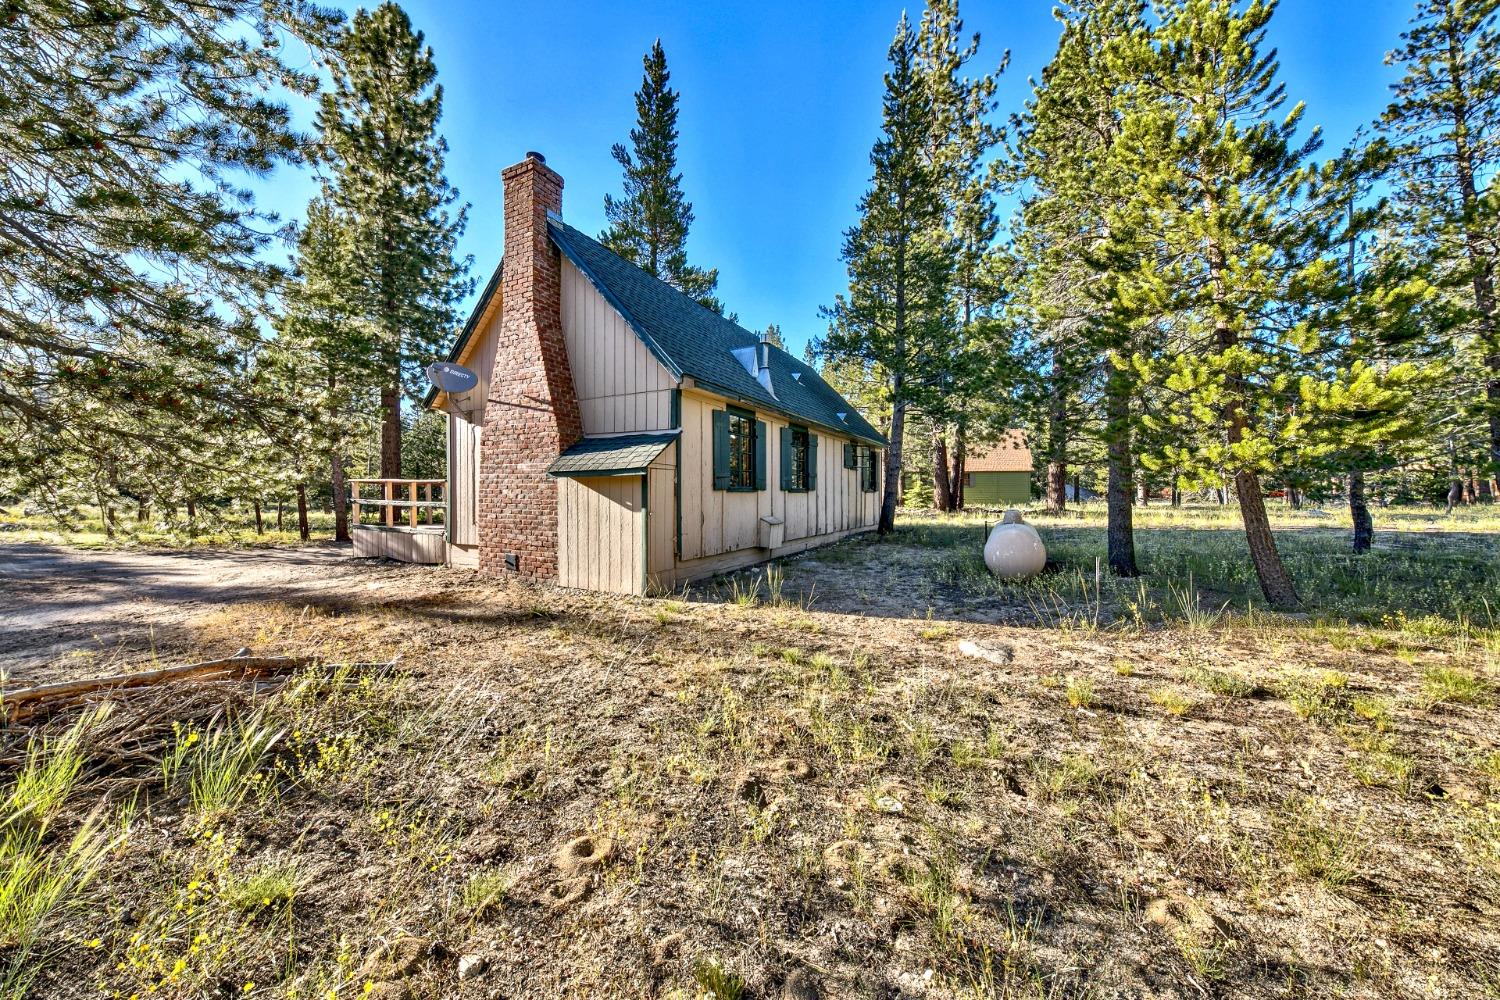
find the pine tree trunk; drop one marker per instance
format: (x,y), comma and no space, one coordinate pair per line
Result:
(302,527)
(1492,394)
(340,499)
(1483,493)
(960,459)
(142,512)
(260,525)
(942,492)
(1119,516)
(390,432)
(280,515)
(1455,493)
(1057,452)
(1077,488)
(340,489)
(1057,486)
(1275,581)
(105,516)
(887,522)
(1364,525)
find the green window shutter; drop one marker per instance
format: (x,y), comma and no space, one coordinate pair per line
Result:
(786,458)
(760,454)
(721,450)
(851,457)
(812,461)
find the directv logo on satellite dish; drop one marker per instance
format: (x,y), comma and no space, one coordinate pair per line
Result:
(451,378)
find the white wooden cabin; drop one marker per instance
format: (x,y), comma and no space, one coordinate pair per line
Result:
(702,448)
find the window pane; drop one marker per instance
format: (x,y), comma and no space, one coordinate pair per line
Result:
(741,452)
(799,459)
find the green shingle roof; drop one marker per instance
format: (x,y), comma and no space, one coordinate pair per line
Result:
(619,455)
(691,340)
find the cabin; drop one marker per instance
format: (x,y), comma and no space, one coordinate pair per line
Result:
(1000,475)
(622,437)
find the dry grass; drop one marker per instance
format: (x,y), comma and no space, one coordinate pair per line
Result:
(606,797)
(214,527)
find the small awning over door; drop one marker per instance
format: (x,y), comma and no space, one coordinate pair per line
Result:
(616,455)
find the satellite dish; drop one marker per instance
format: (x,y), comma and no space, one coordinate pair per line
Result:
(451,378)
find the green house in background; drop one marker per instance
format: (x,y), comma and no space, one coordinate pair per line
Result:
(1000,476)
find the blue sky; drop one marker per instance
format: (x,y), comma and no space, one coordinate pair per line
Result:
(780,103)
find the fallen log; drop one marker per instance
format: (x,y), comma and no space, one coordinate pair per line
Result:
(18,705)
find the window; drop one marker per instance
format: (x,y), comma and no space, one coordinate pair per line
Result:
(867,471)
(851,455)
(799,460)
(968,479)
(739,451)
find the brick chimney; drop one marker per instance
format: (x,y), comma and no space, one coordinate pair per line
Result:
(531,413)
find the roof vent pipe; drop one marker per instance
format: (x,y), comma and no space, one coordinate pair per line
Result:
(763,363)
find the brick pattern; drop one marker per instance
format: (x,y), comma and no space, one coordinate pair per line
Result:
(532,411)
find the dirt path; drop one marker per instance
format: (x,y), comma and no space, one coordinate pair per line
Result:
(58,603)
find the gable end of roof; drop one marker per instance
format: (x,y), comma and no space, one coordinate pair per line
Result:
(690,340)
(694,341)
(470,325)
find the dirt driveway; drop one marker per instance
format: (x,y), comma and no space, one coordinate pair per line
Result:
(59,604)
(66,611)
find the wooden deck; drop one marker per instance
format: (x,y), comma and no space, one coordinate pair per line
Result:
(410,519)
(427,545)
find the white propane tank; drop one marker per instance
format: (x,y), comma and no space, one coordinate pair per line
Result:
(1014,551)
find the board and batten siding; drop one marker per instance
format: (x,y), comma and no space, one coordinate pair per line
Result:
(601,534)
(465,427)
(715,522)
(463,480)
(621,533)
(996,488)
(620,385)
(661,518)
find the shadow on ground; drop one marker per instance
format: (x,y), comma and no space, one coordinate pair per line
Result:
(936,570)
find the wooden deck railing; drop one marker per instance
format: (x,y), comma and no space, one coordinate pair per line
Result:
(424,501)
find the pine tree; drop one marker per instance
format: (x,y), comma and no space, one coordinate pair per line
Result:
(1444,124)
(327,356)
(1079,230)
(1391,313)
(649,225)
(425,446)
(1250,277)
(132,272)
(961,139)
(382,161)
(896,317)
